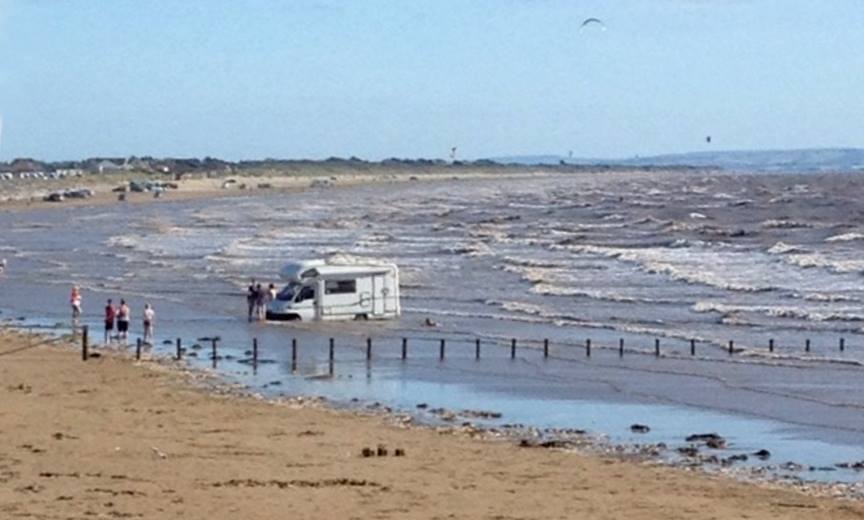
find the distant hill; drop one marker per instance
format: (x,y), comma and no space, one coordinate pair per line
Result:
(816,159)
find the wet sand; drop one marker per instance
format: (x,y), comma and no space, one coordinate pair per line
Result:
(115,438)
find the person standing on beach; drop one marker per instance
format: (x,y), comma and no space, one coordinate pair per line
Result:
(271,294)
(123,321)
(110,314)
(260,302)
(149,322)
(75,301)
(251,298)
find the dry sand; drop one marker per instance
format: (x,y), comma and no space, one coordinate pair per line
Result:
(112,438)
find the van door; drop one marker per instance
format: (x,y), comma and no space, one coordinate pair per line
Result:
(390,296)
(305,303)
(379,294)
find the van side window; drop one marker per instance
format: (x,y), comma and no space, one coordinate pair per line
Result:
(340,286)
(307,293)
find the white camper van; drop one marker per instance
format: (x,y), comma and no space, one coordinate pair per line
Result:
(318,290)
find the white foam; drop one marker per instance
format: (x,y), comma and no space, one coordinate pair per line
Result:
(816,260)
(785,224)
(846,237)
(782,248)
(819,314)
(821,297)
(686,242)
(530,262)
(471,249)
(731,270)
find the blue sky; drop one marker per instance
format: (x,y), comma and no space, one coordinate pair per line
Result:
(377,78)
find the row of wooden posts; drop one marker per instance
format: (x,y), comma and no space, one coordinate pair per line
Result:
(441,349)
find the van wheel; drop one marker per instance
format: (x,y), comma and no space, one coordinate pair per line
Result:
(358,317)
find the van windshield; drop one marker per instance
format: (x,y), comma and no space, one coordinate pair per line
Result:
(287,294)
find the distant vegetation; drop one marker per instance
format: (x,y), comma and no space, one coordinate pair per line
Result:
(823,159)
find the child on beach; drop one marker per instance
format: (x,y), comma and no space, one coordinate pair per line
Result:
(75,301)
(149,320)
(123,321)
(110,314)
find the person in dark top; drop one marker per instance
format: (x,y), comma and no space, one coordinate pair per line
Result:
(251,298)
(110,314)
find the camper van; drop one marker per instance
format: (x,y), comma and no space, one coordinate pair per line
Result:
(317,290)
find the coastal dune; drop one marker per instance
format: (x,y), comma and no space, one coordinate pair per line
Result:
(115,438)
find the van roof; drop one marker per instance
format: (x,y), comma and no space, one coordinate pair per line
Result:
(332,271)
(297,271)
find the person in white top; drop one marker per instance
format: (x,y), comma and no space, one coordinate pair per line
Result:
(149,322)
(75,301)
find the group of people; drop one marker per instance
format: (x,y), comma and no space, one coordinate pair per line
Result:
(121,315)
(257,298)
(117,317)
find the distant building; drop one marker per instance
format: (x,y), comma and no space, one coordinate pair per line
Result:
(109,166)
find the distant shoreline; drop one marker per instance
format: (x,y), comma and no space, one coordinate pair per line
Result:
(800,160)
(29,193)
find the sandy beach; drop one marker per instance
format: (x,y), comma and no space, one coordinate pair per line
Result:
(114,438)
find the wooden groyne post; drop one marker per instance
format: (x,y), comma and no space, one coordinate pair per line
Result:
(85,345)
(179,353)
(331,355)
(657,347)
(404,348)
(621,347)
(138,349)
(771,345)
(692,347)
(842,344)
(587,348)
(513,348)
(477,348)
(293,354)
(807,345)
(441,350)
(213,342)
(368,349)
(546,348)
